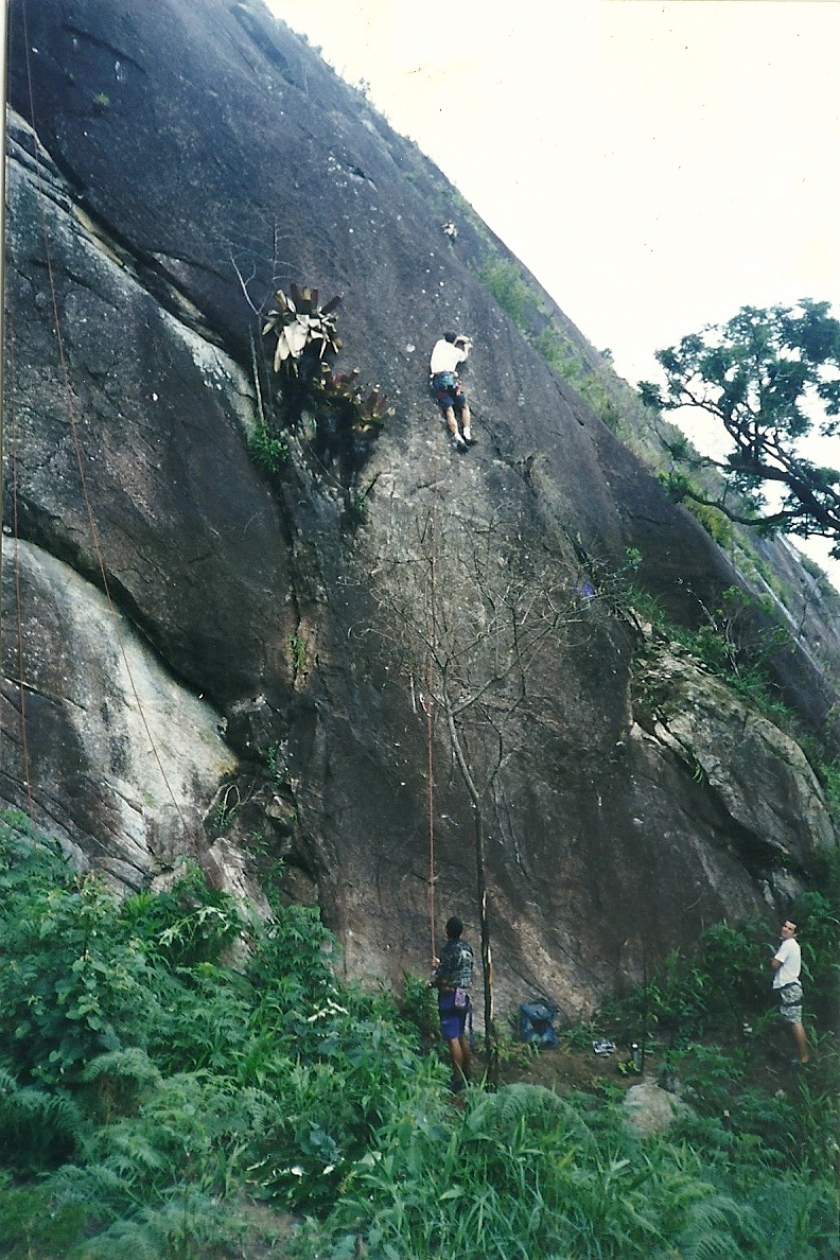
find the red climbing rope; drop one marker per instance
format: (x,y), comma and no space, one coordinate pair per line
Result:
(429,705)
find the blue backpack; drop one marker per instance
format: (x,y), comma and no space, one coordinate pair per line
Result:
(536,1023)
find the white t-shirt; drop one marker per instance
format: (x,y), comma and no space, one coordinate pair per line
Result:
(446,356)
(790,956)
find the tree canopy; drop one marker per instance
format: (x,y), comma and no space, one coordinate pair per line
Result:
(771,377)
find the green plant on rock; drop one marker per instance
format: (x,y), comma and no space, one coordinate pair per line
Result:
(297,651)
(736,642)
(305,331)
(342,394)
(357,501)
(226,806)
(830,774)
(732,646)
(338,416)
(186,925)
(503,279)
(267,450)
(276,763)
(523,304)
(592,383)
(680,489)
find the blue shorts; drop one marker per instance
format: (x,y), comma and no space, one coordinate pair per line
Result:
(453,1020)
(447,390)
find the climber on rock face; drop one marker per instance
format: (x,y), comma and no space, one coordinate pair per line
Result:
(451,350)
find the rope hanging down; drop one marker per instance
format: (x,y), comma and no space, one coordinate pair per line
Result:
(94,534)
(428,702)
(24,742)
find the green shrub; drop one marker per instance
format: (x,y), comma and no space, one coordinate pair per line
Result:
(818,932)
(268,450)
(253,1071)
(503,279)
(728,645)
(33,1226)
(74,980)
(724,984)
(419,1006)
(716,524)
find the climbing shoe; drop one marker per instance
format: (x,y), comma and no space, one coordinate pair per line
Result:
(460,445)
(470,441)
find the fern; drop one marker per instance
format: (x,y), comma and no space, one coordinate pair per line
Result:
(187,1224)
(540,1109)
(37,1129)
(718,1228)
(118,1079)
(34,1226)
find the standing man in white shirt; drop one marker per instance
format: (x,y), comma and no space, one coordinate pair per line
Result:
(787,965)
(451,350)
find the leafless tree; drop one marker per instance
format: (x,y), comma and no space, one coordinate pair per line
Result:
(476,621)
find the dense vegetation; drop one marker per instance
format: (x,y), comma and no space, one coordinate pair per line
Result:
(176,1075)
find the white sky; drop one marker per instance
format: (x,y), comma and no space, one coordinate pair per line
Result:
(656,165)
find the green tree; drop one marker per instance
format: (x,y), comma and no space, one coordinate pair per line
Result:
(771,378)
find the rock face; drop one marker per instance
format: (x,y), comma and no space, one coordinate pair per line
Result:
(731,749)
(117,753)
(205,659)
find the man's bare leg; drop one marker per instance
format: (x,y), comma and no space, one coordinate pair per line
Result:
(459,1053)
(452,426)
(466,1057)
(451,422)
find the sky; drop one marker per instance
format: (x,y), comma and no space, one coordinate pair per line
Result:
(657,166)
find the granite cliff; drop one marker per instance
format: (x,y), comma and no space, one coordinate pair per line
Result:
(203,658)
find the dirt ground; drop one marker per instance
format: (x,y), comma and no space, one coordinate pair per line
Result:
(564,1070)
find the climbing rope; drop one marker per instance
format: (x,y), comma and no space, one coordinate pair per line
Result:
(428,706)
(77,446)
(430,773)
(18,603)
